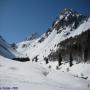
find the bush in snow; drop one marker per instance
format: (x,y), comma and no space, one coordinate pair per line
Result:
(82,74)
(57,67)
(49,66)
(45,73)
(35,58)
(46,59)
(67,69)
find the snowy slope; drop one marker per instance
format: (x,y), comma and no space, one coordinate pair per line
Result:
(6,50)
(69,24)
(39,76)
(35,76)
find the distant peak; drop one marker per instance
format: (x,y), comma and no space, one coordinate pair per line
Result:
(32,36)
(69,17)
(69,11)
(1,38)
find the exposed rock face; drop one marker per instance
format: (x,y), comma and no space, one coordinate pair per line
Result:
(69,18)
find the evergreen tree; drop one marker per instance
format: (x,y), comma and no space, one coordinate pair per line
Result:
(85,55)
(46,59)
(71,60)
(87,45)
(36,58)
(59,59)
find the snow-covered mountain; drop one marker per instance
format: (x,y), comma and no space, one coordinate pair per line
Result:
(69,24)
(6,50)
(69,32)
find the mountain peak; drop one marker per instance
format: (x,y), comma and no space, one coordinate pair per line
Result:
(69,11)
(68,17)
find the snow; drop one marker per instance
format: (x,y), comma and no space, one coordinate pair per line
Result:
(81,70)
(39,76)
(50,43)
(36,76)
(27,43)
(82,28)
(61,17)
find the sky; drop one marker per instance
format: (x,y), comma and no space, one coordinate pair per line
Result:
(21,18)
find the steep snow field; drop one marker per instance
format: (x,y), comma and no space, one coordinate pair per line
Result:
(50,43)
(36,76)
